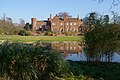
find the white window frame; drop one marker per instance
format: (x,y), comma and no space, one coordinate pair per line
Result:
(67,48)
(67,23)
(71,24)
(74,29)
(61,47)
(53,23)
(74,48)
(61,24)
(71,48)
(75,23)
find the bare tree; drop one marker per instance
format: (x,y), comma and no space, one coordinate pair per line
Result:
(4,17)
(22,22)
(115,18)
(8,19)
(114,2)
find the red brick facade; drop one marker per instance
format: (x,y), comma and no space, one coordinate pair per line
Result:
(57,24)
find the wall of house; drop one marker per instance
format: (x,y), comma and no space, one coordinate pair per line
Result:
(60,26)
(57,24)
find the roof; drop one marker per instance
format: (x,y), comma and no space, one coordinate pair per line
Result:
(72,19)
(66,19)
(42,21)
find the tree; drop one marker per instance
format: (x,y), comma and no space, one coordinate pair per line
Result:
(22,22)
(105,19)
(4,17)
(101,39)
(115,18)
(63,14)
(8,19)
(27,26)
(7,26)
(23,33)
(91,19)
(114,2)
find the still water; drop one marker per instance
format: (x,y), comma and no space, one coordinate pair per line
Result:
(74,51)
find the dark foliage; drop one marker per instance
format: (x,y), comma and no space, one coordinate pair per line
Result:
(23,33)
(30,62)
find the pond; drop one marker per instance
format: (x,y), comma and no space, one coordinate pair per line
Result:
(74,51)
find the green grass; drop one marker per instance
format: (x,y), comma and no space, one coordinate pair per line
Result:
(101,71)
(16,38)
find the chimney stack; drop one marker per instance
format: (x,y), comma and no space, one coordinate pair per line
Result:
(65,16)
(56,15)
(50,16)
(78,17)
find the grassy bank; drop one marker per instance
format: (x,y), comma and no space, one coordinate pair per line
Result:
(101,71)
(17,38)
(36,62)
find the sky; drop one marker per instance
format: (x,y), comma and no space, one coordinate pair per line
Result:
(41,9)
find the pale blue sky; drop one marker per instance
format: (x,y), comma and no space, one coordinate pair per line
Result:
(41,9)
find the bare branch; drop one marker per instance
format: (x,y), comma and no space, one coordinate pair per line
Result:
(114,2)
(100,1)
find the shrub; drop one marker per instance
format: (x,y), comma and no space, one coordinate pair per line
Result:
(23,33)
(1,32)
(30,62)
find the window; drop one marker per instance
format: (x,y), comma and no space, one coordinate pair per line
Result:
(61,24)
(53,23)
(74,48)
(52,29)
(74,23)
(67,48)
(70,23)
(74,29)
(67,23)
(70,48)
(67,29)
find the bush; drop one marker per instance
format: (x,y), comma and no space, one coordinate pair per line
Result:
(1,32)
(48,33)
(9,28)
(23,33)
(30,62)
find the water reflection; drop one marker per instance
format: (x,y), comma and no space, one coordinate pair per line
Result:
(67,47)
(74,51)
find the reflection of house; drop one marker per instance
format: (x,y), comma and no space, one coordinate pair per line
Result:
(67,47)
(58,24)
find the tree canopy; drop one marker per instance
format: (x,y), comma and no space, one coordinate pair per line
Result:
(101,38)
(62,14)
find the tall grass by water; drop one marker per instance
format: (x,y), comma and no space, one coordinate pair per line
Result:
(30,62)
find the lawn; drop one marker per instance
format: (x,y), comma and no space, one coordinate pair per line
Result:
(16,38)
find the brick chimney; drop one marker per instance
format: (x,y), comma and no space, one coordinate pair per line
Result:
(33,22)
(78,17)
(56,15)
(50,16)
(65,16)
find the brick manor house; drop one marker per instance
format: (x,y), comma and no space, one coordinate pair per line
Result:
(57,24)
